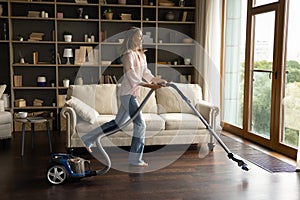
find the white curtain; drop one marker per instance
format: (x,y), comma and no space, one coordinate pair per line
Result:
(209,52)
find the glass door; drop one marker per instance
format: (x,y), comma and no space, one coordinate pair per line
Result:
(262,101)
(262,73)
(272,95)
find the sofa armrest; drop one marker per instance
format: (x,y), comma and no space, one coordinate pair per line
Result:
(209,112)
(71,119)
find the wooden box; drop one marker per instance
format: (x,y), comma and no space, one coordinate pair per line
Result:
(20,103)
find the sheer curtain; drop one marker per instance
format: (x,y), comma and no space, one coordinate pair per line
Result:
(298,156)
(209,31)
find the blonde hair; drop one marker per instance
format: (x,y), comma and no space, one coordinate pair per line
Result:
(129,41)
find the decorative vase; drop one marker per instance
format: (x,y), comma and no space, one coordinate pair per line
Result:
(170,16)
(79,81)
(41,81)
(80,12)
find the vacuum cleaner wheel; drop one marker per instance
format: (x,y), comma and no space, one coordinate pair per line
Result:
(57,174)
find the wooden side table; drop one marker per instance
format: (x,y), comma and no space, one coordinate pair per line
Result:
(32,121)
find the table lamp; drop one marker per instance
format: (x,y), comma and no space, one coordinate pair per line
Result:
(68,53)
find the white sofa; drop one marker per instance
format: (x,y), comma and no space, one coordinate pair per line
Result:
(169,120)
(5,118)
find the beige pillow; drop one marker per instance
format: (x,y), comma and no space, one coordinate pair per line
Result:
(169,101)
(2,89)
(86,112)
(101,97)
(150,106)
(106,99)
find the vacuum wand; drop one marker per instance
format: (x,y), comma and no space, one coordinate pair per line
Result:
(230,155)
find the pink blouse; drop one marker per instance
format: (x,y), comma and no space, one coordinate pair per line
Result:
(135,70)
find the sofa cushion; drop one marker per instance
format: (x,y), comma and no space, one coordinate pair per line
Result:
(182,121)
(150,106)
(169,101)
(86,112)
(106,99)
(153,123)
(101,97)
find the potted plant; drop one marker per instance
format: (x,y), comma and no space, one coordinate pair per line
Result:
(67,36)
(20,37)
(108,13)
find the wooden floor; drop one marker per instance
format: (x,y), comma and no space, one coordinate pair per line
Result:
(213,177)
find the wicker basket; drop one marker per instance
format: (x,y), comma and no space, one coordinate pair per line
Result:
(125,16)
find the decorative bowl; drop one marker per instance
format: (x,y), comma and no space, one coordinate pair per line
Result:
(21,114)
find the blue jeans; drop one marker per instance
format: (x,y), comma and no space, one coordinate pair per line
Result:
(129,104)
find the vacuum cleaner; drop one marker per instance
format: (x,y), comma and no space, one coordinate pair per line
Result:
(64,167)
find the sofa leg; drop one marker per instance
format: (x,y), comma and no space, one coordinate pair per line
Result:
(211,146)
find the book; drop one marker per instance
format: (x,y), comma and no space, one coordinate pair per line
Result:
(115,79)
(184,16)
(90,54)
(18,80)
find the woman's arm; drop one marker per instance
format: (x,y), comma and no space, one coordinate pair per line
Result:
(153,86)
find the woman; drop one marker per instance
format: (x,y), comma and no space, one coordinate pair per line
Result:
(135,70)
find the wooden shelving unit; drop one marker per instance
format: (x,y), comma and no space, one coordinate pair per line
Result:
(167,45)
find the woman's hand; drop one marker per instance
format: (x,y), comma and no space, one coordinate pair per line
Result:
(159,81)
(152,86)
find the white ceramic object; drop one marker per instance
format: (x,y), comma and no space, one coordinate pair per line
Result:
(187,61)
(68,38)
(21,114)
(66,82)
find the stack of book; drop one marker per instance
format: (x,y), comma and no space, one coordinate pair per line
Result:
(34,36)
(108,79)
(86,55)
(38,102)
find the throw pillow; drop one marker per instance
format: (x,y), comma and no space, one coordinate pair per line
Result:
(2,89)
(86,112)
